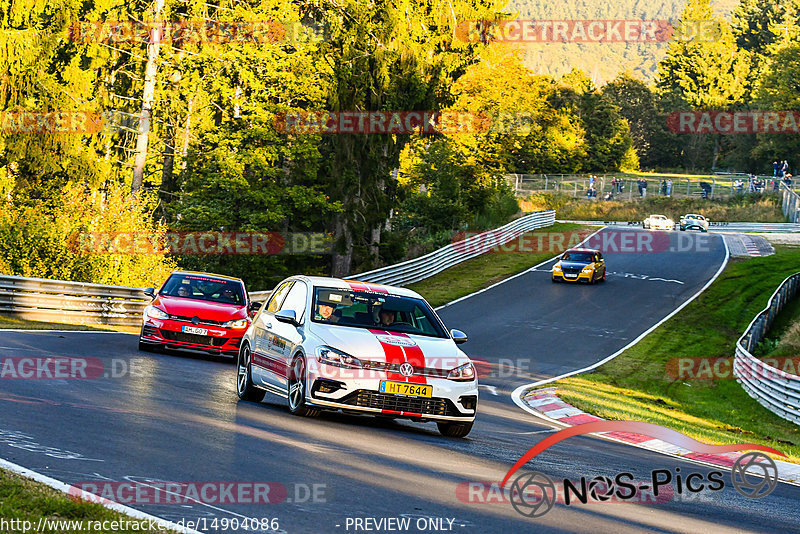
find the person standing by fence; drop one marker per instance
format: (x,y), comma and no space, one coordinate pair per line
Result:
(644,188)
(669,187)
(775,169)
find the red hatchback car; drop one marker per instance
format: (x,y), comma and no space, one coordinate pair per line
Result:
(197,311)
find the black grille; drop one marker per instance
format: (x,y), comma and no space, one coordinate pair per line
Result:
(200,321)
(385,401)
(395,368)
(572,270)
(193,338)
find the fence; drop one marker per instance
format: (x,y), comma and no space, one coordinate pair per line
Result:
(437,261)
(70,302)
(626,187)
(776,390)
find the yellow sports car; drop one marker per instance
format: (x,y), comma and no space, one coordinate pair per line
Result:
(580,265)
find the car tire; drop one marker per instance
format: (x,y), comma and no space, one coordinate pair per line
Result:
(683,229)
(603,279)
(555,280)
(454,430)
(296,394)
(245,388)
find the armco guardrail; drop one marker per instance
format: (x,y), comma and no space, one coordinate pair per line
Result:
(776,390)
(790,204)
(40,299)
(437,261)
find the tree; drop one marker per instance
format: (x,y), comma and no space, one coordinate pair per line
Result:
(383,56)
(705,74)
(655,145)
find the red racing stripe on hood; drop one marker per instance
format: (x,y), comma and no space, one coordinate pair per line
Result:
(415,357)
(394,354)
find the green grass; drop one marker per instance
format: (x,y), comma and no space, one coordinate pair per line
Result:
(636,386)
(27,500)
(24,324)
(747,208)
(487,269)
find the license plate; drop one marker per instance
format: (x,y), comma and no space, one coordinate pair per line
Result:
(571,275)
(406,388)
(194,330)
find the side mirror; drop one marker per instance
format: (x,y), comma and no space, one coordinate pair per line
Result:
(252,310)
(458,336)
(150,292)
(287,316)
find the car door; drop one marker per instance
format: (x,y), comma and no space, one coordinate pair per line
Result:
(264,366)
(285,337)
(600,265)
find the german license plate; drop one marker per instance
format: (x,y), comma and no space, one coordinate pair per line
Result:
(194,330)
(571,275)
(406,388)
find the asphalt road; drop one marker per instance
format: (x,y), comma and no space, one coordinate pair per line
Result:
(176,418)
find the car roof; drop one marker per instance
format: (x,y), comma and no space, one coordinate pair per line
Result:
(658,215)
(693,215)
(339,283)
(222,276)
(592,250)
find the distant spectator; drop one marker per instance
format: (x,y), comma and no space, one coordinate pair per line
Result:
(664,187)
(669,187)
(644,188)
(784,168)
(775,168)
(609,196)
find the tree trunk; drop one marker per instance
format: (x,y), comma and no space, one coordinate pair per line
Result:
(716,152)
(185,149)
(342,261)
(150,73)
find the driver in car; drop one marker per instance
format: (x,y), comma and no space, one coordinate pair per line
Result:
(386,317)
(183,291)
(325,312)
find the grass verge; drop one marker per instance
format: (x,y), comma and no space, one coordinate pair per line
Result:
(745,208)
(24,324)
(636,386)
(481,272)
(22,499)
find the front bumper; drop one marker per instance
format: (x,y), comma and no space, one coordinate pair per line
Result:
(582,277)
(168,332)
(450,400)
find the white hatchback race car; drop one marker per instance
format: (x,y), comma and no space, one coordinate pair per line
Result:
(331,344)
(658,222)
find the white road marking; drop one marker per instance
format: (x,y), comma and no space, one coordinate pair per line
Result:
(492,389)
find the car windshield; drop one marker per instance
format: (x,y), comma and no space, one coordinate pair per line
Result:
(201,287)
(659,217)
(578,257)
(363,309)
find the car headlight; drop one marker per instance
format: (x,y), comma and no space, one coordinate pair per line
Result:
(155,313)
(337,358)
(557,267)
(587,269)
(464,372)
(236,323)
